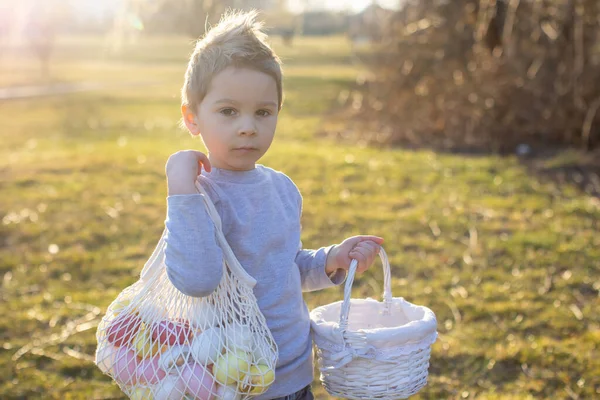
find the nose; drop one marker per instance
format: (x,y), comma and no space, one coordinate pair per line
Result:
(247,127)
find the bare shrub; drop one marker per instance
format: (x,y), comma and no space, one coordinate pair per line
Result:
(484,74)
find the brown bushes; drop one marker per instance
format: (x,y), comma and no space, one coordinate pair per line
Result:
(485,74)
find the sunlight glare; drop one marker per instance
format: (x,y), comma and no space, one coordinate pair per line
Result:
(97,9)
(339,5)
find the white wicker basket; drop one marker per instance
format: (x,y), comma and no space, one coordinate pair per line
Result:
(382,353)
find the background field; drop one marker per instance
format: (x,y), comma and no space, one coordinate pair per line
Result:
(508,262)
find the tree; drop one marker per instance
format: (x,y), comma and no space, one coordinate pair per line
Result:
(44,20)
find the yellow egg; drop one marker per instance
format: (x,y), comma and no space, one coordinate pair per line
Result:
(258,379)
(143,345)
(141,393)
(120,305)
(231,367)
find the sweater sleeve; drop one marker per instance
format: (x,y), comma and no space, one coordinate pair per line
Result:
(312,269)
(192,256)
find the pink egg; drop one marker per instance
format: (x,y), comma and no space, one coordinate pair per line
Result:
(126,364)
(149,371)
(199,383)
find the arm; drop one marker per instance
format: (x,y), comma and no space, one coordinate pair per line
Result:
(327,266)
(192,256)
(311,264)
(335,260)
(320,269)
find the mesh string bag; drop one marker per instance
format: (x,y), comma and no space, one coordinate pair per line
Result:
(157,343)
(368,349)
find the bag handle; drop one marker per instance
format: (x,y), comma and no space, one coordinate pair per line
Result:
(150,266)
(232,261)
(387,288)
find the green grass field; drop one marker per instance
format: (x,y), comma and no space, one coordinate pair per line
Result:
(509,264)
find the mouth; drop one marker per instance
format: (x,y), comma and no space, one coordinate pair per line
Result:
(245,148)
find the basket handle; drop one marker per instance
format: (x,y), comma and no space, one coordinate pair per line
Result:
(232,261)
(387,288)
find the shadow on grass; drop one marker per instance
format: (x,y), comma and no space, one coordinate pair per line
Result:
(469,367)
(502,375)
(568,166)
(560,165)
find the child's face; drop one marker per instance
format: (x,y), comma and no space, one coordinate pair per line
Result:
(237,118)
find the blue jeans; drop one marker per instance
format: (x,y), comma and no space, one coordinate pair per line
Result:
(302,394)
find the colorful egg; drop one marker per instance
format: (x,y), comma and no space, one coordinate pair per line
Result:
(228,393)
(174,357)
(126,364)
(141,393)
(150,312)
(148,371)
(120,304)
(170,388)
(105,358)
(170,333)
(231,368)
(199,383)
(123,328)
(207,346)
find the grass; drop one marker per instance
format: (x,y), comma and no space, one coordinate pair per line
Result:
(509,263)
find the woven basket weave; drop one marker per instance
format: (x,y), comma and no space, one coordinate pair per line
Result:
(368,349)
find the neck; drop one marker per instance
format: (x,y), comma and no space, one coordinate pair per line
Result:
(224,166)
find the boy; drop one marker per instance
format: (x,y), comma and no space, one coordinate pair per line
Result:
(231,97)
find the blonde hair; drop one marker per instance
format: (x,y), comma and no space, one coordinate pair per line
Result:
(237,40)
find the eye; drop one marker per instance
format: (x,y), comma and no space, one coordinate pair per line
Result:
(263,113)
(227,112)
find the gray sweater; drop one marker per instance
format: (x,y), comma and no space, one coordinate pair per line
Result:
(260,210)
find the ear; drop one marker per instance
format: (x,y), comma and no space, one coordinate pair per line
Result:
(189,118)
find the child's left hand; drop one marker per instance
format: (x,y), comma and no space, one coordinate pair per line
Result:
(360,248)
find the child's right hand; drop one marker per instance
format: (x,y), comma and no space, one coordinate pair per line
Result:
(182,170)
